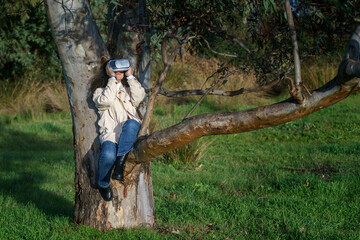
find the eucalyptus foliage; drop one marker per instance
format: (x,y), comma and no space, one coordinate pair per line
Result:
(25,39)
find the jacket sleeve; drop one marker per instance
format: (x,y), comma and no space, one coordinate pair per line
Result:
(137,92)
(105,97)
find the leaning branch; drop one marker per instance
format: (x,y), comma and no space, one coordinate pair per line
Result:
(229,123)
(296,88)
(154,92)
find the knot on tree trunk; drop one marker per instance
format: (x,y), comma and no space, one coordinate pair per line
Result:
(299,92)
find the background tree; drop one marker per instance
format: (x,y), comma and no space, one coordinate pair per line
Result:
(175,23)
(25,40)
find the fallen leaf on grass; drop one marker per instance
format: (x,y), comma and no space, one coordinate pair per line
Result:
(262,197)
(199,167)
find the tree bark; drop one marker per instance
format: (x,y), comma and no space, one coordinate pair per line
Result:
(81,49)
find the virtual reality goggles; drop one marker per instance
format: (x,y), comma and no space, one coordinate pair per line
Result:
(119,65)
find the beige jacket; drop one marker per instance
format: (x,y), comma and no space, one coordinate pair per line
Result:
(112,113)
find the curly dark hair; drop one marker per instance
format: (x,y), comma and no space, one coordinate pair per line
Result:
(100,79)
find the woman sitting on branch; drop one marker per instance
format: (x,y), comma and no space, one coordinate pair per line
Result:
(119,125)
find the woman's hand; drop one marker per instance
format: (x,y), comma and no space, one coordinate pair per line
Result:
(109,72)
(128,73)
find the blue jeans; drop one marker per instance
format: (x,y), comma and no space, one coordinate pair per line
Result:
(110,150)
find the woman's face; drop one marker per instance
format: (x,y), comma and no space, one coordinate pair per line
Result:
(119,75)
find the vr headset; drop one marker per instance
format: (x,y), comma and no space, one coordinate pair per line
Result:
(119,65)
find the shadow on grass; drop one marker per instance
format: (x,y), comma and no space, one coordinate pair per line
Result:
(26,163)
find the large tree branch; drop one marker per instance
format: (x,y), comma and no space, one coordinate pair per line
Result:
(345,83)
(228,123)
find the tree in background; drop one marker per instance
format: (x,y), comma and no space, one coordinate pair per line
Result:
(176,23)
(25,40)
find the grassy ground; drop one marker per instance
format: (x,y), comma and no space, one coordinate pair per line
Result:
(299,181)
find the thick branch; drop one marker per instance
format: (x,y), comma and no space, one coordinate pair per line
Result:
(228,123)
(195,127)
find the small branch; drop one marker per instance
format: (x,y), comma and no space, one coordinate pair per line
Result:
(240,91)
(155,91)
(219,53)
(295,92)
(221,79)
(211,76)
(235,39)
(200,100)
(184,93)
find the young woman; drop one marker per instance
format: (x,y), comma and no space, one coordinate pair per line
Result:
(119,125)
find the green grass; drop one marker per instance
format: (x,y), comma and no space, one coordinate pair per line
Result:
(246,187)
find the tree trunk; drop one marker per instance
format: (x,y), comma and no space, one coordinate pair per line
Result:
(81,49)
